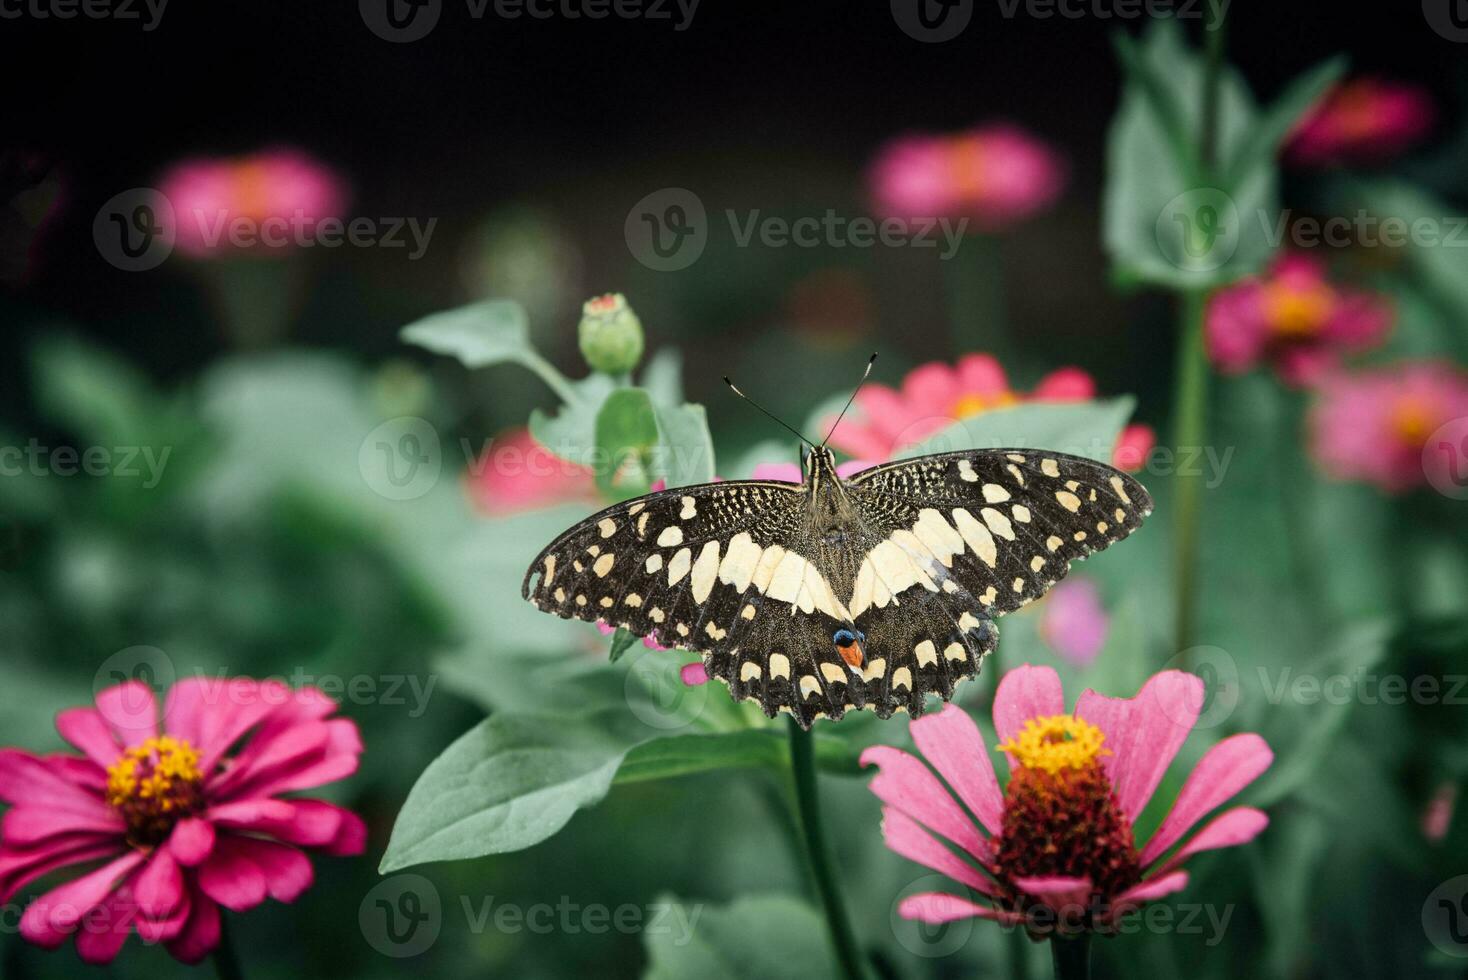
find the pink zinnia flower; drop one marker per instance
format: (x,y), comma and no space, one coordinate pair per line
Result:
(1294,318)
(276,197)
(1073,622)
(1054,849)
(1366,119)
(186,820)
(993,175)
(1373,425)
(884,421)
(516,474)
(791,472)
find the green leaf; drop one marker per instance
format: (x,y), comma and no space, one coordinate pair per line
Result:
(1082,428)
(510,782)
(1166,222)
(626,434)
(683,755)
(570,432)
(489,332)
(662,378)
(687,449)
(1259,149)
(768,937)
(621,640)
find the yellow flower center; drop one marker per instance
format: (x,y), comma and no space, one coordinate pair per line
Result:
(1413,421)
(972,404)
(154,785)
(1056,742)
(1297,312)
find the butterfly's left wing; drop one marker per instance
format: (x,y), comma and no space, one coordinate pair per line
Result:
(1003,524)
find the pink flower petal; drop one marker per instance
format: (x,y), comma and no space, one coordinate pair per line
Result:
(1229,829)
(102,936)
(200,934)
(1133,447)
(20,868)
(906,837)
(907,785)
(932,388)
(51,918)
(693,674)
(26,826)
(1144,733)
(1223,771)
(88,732)
(936,908)
(231,877)
(159,887)
(1026,692)
(351,838)
(1067,384)
(130,710)
(191,841)
(779,472)
(26,780)
(287,871)
(1065,895)
(982,374)
(1152,889)
(952,744)
(1073,621)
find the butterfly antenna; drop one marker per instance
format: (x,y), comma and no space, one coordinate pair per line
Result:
(735,389)
(864,375)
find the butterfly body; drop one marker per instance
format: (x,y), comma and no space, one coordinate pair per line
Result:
(828,595)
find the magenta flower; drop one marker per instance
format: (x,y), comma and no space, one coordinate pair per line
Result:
(1373,426)
(184,821)
(262,204)
(935,395)
(1294,318)
(791,473)
(517,474)
(1365,120)
(1055,849)
(1073,622)
(993,175)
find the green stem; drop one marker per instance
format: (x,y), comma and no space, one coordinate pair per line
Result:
(1071,956)
(547,372)
(226,960)
(1190,411)
(1019,953)
(808,807)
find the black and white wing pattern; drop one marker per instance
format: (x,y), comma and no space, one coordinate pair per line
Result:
(818,597)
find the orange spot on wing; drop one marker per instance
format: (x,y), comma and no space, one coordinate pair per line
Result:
(851,653)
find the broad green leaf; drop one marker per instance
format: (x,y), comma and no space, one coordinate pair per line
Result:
(626,434)
(1081,428)
(682,755)
(570,432)
(1166,222)
(770,937)
(686,452)
(101,399)
(489,332)
(510,782)
(662,378)
(1260,148)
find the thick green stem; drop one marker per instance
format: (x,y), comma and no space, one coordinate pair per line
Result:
(1190,412)
(1071,956)
(808,808)
(1019,953)
(226,960)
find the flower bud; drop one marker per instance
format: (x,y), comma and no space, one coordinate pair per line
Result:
(610,334)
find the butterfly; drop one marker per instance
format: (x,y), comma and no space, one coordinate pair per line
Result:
(832,594)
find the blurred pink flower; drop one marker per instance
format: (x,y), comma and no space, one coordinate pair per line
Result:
(1372,425)
(1073,622)
(275,197)
(517,474)
(694,674)
(185,820)
(994,175)
(1058,840)
(1294,318)
(1437,817)
(935,395)
(1366,119)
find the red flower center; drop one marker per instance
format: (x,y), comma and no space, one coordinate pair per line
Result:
(1061,816)
(155,785)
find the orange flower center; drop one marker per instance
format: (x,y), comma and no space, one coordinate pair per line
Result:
(252,189)
(154,785)
(972,404)
(1413,420)
(1298,312)
(965,164)
(1061,817)
(1356,111)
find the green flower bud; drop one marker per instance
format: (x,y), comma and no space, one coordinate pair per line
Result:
(610,334)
